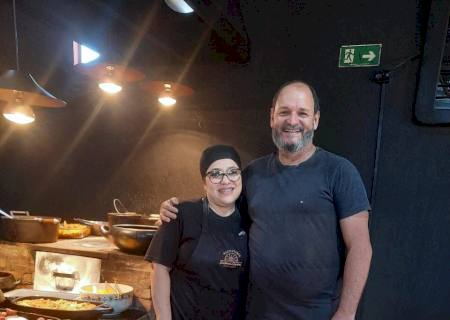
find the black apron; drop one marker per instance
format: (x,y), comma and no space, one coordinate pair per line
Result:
(212,283)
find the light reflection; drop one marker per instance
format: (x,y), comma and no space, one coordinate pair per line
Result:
(110,87)
(19,113)
(167,101)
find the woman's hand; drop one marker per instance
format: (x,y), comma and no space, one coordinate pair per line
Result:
(161,291)
(168,211)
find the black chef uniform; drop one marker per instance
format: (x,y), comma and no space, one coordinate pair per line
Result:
(208,276)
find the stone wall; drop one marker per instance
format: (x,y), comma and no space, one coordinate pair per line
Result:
(19,258)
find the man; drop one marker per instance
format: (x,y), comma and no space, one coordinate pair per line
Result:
(309,214)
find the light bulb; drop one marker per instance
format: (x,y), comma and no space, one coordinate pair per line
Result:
(110,87)
(167,101)
(19,113)
(179,6)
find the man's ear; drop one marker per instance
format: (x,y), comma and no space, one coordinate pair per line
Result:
(316,119)
(272,110)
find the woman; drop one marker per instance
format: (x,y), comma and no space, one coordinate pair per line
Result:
(199,259)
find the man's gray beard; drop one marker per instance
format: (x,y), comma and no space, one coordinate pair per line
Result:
(306,139)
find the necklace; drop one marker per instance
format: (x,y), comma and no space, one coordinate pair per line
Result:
(226,214)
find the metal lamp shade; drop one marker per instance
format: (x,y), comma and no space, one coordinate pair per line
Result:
(13,82)
(160,87)
(102,71)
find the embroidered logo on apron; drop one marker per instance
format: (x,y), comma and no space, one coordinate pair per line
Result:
(231,259)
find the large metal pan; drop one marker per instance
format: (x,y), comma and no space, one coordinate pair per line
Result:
(21,227)
(92,314)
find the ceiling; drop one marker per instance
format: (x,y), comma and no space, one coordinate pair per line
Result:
(146,35)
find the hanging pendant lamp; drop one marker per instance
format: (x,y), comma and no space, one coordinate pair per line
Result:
(111,77)
(167,91)
(20,90)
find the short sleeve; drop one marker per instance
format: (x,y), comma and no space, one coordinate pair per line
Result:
(164,246)
(349,193)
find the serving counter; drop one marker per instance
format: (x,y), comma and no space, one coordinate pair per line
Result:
(19,259)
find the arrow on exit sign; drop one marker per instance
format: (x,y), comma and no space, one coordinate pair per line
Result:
(360,55)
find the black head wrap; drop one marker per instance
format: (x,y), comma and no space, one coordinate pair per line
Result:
(217,152)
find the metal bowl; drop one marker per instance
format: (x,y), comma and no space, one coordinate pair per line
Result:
(130,238)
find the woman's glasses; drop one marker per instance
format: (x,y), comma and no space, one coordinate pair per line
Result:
(216,176)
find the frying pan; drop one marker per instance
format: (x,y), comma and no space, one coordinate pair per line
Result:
(93,314)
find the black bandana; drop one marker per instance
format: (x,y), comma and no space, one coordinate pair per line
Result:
(217,152)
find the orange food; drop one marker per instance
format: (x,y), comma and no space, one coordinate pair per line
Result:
(73,230)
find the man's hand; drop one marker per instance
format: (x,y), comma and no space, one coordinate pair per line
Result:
(167,211)
(355,232)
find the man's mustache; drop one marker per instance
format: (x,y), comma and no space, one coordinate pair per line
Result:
(289,127)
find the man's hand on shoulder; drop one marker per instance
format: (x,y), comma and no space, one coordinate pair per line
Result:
(168,211)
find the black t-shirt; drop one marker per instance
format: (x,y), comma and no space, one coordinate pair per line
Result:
(175,241)
(201,288)
(295,242)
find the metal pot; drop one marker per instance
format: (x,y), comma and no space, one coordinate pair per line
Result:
(65,281)
(8,281)
(131,218)
(22,227)
(124,216)
(131,238)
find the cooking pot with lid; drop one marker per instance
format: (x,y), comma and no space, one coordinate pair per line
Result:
(20,226)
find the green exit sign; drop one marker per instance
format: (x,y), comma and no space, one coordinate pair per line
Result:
(360,55)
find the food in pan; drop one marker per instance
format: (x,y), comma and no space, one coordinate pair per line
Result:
(59,304)
(73,230)
(10,314)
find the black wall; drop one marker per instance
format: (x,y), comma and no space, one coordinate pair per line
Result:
(73,162)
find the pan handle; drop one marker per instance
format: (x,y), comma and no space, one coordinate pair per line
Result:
(5,214)
(105,230)
(117,201)
(104,308)
(84,221)
(49,220)
(19,213)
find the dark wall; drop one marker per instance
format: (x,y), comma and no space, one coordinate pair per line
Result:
(75,161)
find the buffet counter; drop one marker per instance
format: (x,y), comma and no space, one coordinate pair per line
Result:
(116,266)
